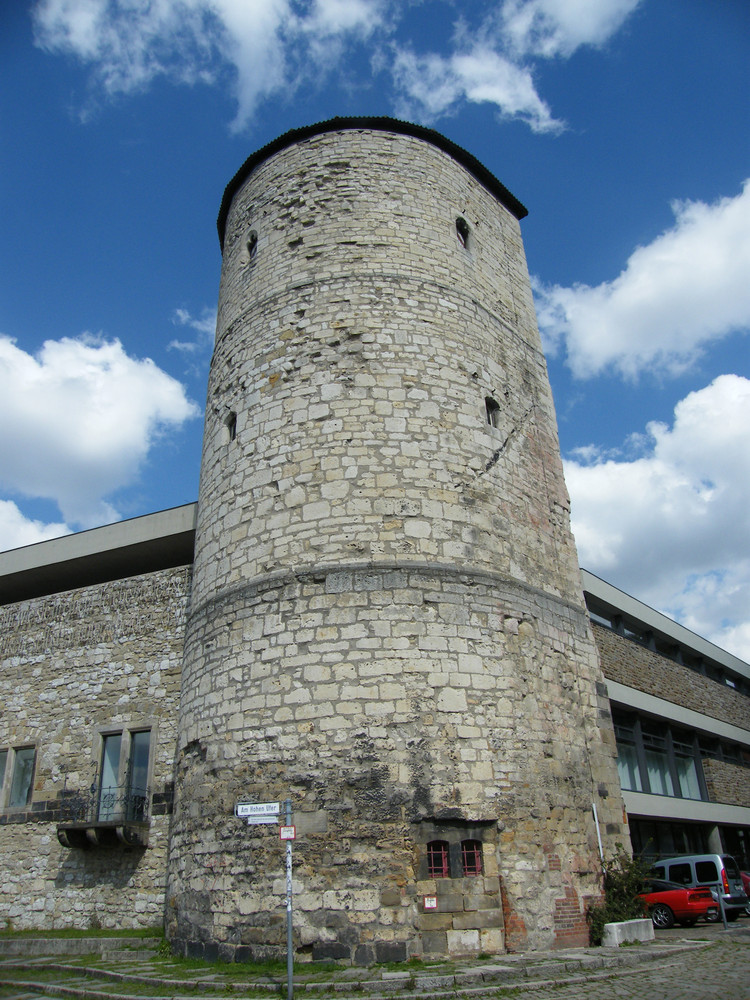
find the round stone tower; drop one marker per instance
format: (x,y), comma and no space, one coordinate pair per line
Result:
(387,624)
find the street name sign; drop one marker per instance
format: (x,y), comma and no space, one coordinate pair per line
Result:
(258,812)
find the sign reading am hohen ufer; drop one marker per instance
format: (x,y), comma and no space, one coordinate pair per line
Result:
(258,812)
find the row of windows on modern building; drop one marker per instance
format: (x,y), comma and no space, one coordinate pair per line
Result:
(655,757)
(120,791)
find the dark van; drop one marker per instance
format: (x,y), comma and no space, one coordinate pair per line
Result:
(720,871)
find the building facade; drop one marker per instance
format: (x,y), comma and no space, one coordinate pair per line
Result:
(374,610)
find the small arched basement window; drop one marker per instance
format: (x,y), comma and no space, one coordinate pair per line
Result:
(471,857)
(437,859)
(462,231)
(492,411)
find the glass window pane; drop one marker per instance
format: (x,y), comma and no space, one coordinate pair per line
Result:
(659,778)
(23,772)
(3,762)
(688,775)
(138,775)
(109,776)
(680,873)
(139,747)
(705,871)
(627,765)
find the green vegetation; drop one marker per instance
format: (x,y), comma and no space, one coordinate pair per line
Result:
(623,880)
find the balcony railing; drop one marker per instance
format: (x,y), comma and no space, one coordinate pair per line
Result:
(102,814)
(108,804)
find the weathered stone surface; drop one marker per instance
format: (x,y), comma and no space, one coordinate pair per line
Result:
(72,666)
(386,622)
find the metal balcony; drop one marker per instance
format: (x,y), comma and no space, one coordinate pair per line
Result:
(105,817)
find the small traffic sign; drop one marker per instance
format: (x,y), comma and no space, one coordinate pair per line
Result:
(287,833)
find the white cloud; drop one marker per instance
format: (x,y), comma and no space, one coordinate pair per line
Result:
(687,288)
(81,418)
(490,63)
(17,530)
(205,327)
(435,86)
(268,43)
(273,46)
(558,27)
(672,526)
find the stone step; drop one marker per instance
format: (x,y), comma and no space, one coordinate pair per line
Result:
(110,948)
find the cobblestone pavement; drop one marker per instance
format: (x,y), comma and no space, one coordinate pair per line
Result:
(702,963)
(721,970)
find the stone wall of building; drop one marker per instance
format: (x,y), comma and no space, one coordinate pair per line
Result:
(726,782)
(74,666)
(387,623)
(636,666)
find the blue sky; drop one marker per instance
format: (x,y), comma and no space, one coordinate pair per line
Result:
(623,125)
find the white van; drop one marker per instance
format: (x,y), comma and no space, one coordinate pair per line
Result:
(719,871)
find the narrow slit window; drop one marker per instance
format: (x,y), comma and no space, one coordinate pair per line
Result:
(462,231)
(437,859)
(492,411)
(252,245)
(231,426)
(471,857)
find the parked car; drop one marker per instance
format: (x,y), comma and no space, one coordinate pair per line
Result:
(745,876)
(669,901)
(718,871)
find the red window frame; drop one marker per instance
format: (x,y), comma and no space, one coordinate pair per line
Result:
(437,859)
(471,857)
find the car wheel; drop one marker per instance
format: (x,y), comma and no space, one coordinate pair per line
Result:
(688,923)
(662,916)
(713,918)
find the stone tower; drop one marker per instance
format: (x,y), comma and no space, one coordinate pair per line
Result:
(386,624)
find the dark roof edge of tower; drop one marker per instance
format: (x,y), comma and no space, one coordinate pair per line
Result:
(382,124)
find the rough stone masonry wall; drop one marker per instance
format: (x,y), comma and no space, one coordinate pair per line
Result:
(629,663)
(72,664)
(727,782)
(386,622)
(386,702)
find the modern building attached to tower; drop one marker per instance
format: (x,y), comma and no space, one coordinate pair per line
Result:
(375,611)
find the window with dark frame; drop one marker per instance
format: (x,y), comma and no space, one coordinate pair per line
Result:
(657,758)
(17,774)
(437,859)
(471,857)
(123,776)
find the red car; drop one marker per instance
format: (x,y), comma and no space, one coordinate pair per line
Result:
(670,901)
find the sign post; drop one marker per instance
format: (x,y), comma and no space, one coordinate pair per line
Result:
(267,813)
(289,942)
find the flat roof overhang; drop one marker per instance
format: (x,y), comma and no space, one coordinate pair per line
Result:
(116,551)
